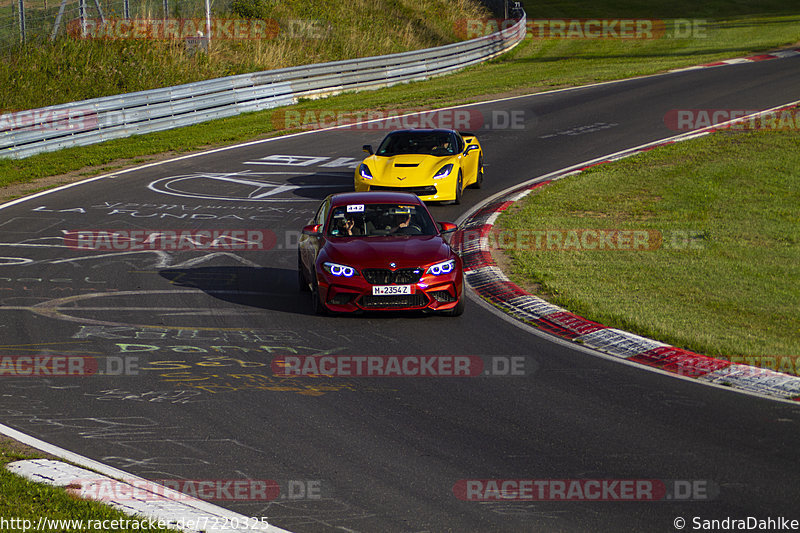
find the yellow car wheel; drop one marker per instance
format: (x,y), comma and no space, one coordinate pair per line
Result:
(479,178)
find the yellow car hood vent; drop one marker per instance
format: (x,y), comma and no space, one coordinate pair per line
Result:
(406,165)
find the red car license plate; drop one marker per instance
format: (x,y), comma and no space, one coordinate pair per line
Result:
(382,290)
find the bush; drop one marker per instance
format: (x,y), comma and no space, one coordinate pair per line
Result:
(251,9)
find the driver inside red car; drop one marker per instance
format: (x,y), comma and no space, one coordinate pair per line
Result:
(401,221)
(348,227)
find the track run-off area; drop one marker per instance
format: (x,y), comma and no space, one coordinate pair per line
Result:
(179,345)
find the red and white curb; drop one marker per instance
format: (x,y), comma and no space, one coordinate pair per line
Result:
(489,282)
(780,54)
(130,494)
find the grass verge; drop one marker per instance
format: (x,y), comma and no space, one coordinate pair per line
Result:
(25,500)
(299,32)
(535,65)
(723,281)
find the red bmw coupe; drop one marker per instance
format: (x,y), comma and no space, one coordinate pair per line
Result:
(379,251)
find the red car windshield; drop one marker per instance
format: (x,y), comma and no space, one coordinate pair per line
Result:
(380,220)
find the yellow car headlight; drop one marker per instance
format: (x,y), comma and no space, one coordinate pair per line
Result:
(364,172)
(444,171)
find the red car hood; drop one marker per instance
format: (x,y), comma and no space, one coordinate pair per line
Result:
(378,252)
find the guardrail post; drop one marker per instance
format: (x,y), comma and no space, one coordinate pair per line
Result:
(57,23)
(82,15)
(208,23)
(22,21)
(100,11)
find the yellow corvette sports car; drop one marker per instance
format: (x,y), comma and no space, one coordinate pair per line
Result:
(436,165)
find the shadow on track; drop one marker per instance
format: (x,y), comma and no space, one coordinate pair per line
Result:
(269,288)
(266,288)
(319,185)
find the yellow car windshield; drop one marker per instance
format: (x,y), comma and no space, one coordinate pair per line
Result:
(436,143)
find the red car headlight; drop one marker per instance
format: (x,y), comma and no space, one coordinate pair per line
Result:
(335,269)
(445,267)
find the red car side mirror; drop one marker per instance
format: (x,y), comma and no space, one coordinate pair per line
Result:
(312,230)
(447,227)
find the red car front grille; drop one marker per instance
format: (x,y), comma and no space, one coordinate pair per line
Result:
(384,276)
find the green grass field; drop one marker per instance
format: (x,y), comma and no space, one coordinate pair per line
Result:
(724,281)
(24,500)
(307,31)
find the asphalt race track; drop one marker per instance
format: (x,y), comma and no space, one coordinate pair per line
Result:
(199,329)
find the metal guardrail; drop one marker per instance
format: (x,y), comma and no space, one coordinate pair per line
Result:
(47,129)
